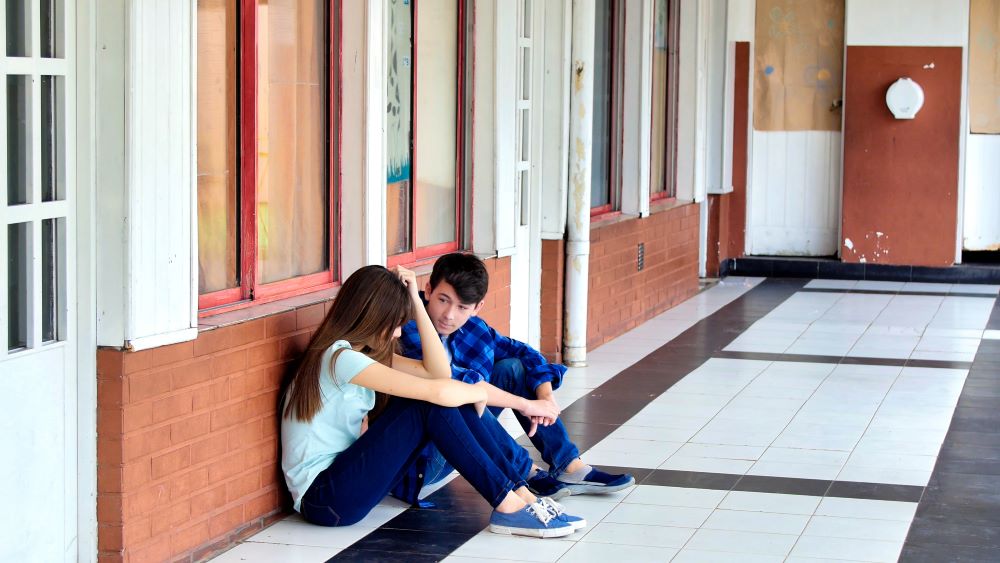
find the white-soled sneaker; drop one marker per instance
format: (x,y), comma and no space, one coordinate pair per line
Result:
(534,520)
(558,511)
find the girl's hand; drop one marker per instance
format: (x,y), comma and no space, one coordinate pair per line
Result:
(409,279)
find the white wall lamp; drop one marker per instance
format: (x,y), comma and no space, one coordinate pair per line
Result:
(904,98)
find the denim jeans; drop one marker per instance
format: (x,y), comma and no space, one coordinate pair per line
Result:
(363,474)
(551,441)
(438,468)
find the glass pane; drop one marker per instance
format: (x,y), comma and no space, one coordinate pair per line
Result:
(658,137)
(53,238)
(599,177)
(293,205)
(18,26)
(52,27)
(436,117)
(18,249)
(218,218)
(399,81)
(525,73)
(53,145)
(18,139)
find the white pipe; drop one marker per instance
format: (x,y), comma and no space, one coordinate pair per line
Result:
(578,207)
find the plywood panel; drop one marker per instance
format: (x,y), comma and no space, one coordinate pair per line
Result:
(981,221)
(901,176)
(794,193)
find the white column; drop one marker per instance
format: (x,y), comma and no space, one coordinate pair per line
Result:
(578,220)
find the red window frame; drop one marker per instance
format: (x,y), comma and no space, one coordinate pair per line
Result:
(418,254)
(669,192)
(616,113)
(251,289)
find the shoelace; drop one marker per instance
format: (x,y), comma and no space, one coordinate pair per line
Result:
(554,508)
(540,511)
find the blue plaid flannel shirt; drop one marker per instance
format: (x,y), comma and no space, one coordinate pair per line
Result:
(476,346)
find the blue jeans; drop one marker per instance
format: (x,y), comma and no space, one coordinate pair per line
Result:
(363,474)
(438,468)
(551,441)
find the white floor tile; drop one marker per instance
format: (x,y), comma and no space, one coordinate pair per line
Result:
(795,470)
(850,549)
(857,528)
(649,515)
(459,559)
(488,544)
(891,476)
(770,502)
(645,460)
(869,509)
(603,552)
(831,284)
(926,287)
(276,553)
(291,532)
(793,455)
(991,334)
(702,556)
(593,508)
(976,288)
(675,496)
(749,453)
(631,534)
(880,285)
(763,522)
(742,542)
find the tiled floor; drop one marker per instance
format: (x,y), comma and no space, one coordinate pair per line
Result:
(764,421)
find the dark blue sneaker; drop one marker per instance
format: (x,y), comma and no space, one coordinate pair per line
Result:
(598,482)
(559,512)
(533,520)
(543,484)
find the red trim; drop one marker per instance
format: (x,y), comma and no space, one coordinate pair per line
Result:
(414,6)
(218,298)
(601,210)
(460,122)
(670,126)
(336,108)
(247,191)
(657,196)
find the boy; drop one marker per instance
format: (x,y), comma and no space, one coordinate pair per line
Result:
(514,375)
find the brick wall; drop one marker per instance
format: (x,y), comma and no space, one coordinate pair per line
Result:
(188,433)
(620,296)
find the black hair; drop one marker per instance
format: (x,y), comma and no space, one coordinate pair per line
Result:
(464,272)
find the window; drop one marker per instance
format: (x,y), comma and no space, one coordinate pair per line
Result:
(609,73)
(266,149)
(424,118)
(663,137)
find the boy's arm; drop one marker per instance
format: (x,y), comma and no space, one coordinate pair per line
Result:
(409,344)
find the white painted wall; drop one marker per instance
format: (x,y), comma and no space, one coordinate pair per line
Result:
(147,294)
(922,23)
(982,193)
(794,193)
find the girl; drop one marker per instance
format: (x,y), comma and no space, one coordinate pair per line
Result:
(337,469)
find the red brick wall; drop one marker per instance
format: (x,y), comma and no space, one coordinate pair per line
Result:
(188,434)
(620,296)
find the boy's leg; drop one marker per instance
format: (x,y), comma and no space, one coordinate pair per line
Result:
(551,441)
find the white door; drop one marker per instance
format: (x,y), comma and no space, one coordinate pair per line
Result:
(38,374)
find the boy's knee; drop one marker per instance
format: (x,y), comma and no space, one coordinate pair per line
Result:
(512,366)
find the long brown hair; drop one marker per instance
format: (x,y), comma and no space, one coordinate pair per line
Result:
(370,305)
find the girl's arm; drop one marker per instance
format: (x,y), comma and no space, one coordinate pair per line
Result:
(444,392)
(435,364)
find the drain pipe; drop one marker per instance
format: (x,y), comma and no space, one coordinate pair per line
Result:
(578,206)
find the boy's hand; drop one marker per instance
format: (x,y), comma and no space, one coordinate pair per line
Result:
(540,408)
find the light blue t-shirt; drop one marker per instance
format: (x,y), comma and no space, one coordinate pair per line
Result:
(310,447)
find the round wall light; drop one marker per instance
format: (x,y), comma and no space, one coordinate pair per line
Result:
(904,98)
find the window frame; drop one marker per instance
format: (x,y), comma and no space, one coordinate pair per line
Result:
(251,290)
(616,116)
(420,254)
(670,128)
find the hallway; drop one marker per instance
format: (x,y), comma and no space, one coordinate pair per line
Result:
(764,420)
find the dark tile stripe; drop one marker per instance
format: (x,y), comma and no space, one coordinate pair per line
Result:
(849,360)
(600,412)
(781,485)
(958,518)
(831,268)
(897,292)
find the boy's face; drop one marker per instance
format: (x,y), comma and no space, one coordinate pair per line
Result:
(445,309)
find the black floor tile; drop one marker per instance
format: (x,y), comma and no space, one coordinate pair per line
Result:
(938,553)
(941,530)
(428,542)
(875,491)
(782,485)
(886,272)
(435,520)
(840,270)
(692,479)
(369,556)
